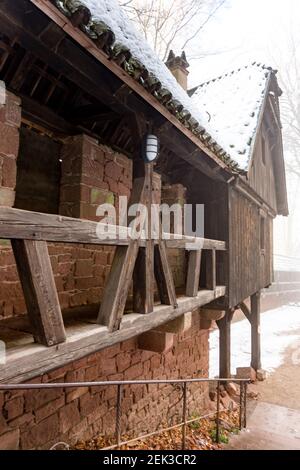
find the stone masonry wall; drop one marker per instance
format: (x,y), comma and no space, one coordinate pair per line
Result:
(39,419)
(91,175)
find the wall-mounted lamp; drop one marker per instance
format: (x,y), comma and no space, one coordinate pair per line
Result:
(150,148)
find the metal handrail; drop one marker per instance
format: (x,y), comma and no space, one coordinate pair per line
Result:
(119,383)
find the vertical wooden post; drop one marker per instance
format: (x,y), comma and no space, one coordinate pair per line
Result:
(225,344)
(255,331)
(193,275)
(163,275)
(143,278)
(211,269)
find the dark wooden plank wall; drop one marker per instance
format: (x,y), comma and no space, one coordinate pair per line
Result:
(38,175)
(250,259)
(261,174)
(244,247)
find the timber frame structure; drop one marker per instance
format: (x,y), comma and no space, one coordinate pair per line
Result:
(69,86)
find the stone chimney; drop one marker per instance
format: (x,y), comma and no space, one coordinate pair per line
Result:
(179,68)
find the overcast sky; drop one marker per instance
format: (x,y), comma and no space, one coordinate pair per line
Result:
(247,30)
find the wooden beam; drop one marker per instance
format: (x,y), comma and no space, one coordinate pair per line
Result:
(143,279)
(35,271)
(255,332)
(117,286)
(193,275)
(21,224)
(224,325)
(211,269)
(163,275)
(28,361)
(245,311)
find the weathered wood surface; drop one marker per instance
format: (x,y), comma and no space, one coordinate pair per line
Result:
(35,271)
(143,276)
(21,224)
(19,365)
(117,286)
(255,332)
(163,275)
(224,325)
(211,275)
(193,274)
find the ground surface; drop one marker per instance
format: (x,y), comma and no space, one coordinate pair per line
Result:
(269,427)
(274,419)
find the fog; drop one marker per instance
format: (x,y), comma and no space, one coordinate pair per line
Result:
(266,31)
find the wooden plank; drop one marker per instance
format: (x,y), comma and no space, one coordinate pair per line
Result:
(193,275)
(255,332)
(211,269)
(117,287)
(35,271)
(163,274)
(193,243)
(21,224)
(143,278)
(224,325)
(29,361)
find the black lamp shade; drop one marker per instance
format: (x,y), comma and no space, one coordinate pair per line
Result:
(150,148)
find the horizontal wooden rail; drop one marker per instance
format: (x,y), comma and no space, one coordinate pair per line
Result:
(27,225)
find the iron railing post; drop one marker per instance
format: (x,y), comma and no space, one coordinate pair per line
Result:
(245,404)
(184,410)
(118,415)
(241,406)
(218,414)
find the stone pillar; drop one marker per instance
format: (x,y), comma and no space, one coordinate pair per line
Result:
(10,122)
(82,181)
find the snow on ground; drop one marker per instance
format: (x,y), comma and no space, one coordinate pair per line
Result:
(280,328)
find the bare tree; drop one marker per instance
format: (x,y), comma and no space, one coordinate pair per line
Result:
(168,24)
(289,78)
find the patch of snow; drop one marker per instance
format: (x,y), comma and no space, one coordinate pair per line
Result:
(280,329)
(233,103)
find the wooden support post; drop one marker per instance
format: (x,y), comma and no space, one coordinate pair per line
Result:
(163,275)
(224,325)
(35,271)
(255,332)
(211,281)
(193,275)
(117,287)
(143,278)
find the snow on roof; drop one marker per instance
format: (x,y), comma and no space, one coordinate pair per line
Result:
(232,104)
(110,12)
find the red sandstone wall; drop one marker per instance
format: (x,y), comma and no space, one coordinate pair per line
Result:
(39,419)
